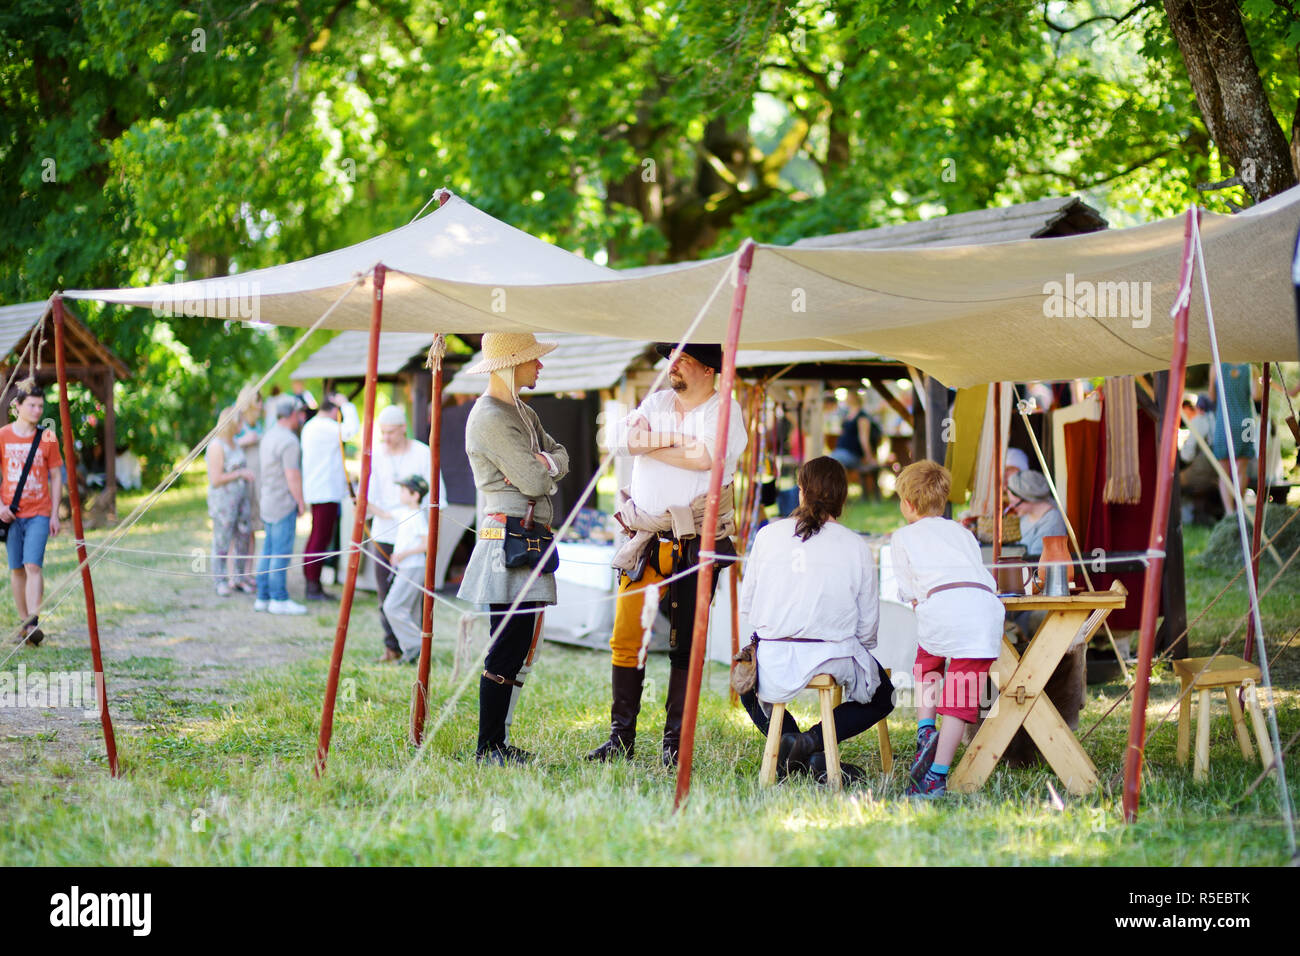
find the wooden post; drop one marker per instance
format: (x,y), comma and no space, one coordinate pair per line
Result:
(420,693)
(999,458)
(74,496)
(358,525)
(708,533)
(110,445)
(1173,583)
(1261,506)
(936,395)
(1166,474)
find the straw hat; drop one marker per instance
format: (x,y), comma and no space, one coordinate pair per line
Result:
(506,349)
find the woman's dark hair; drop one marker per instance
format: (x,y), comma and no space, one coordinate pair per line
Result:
(825,487)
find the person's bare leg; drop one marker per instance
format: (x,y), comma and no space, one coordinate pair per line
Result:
(35,589)
(18,579)
(928,696)
(950,734)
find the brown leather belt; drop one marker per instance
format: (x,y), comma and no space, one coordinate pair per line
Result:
(957,584)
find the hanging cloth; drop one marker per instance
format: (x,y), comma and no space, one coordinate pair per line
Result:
(985,498)
(1123,479)
(967,425)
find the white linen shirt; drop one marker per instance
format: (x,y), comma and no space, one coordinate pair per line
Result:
(657,486)
(386,470)
(323,479)
(412,525)
(962,622)
(822,588)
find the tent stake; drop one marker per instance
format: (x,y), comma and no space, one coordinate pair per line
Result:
(420,693)
(1156,540)
(708,533)
(1261,506)
(358,527)
(74,497)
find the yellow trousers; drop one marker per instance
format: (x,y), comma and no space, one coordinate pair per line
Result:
(625,642)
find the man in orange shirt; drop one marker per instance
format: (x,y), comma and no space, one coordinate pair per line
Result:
(34,518)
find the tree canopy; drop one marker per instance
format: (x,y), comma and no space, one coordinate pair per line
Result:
(148,141)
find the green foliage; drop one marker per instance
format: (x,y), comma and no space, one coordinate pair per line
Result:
(140,141)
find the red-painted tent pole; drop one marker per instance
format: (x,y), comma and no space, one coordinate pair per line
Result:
(1261,505)
(420,693)
(74,496)
(1156,541)
(708,533)
(358,526)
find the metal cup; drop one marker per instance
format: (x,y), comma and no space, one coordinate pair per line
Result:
(1058,582)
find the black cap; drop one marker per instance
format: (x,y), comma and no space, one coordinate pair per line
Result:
(707,355)
(415,483)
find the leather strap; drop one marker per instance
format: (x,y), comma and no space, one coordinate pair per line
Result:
(796,640)
(958,584)
(498,679)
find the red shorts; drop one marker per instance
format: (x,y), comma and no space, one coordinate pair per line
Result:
(966,677)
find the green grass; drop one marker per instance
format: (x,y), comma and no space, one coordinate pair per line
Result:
(226,778)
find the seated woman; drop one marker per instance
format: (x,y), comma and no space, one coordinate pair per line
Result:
(811,598)
(1030,498)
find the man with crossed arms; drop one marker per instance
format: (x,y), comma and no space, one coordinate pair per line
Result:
(671,438)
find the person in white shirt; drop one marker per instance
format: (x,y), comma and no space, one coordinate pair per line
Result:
(811,599)
(324,482)
(395,457)
(671,438)
(959,618)
(404,606)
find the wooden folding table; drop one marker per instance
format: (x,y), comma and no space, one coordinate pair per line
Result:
(1021,700)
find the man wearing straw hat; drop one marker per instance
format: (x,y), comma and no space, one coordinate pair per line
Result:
(671,437)
(515,465)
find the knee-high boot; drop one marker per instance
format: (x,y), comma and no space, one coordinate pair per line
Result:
(626,682)
(493,703)
(673,709)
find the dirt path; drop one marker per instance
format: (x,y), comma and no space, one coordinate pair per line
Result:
(162,663)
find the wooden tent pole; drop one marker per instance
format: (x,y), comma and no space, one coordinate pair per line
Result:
(1261,506)
(74,497)
(358,526)
(1166,473)
(420,693)
(999,458)
(708,533)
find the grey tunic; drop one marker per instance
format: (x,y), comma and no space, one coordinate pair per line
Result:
(499,448)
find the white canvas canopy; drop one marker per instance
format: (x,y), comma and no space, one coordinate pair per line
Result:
(967,314)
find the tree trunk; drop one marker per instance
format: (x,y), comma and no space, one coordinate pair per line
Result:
(1231,96)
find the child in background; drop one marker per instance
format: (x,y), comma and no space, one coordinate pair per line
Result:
(958,617)
(404,606)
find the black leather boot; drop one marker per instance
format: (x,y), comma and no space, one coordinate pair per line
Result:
(626,682)
(493,702)
(673,708)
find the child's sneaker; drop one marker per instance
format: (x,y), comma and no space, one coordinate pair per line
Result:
(931,787)
(927,742)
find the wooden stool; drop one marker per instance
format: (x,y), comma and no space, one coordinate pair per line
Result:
(829,695)
(1230,673)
